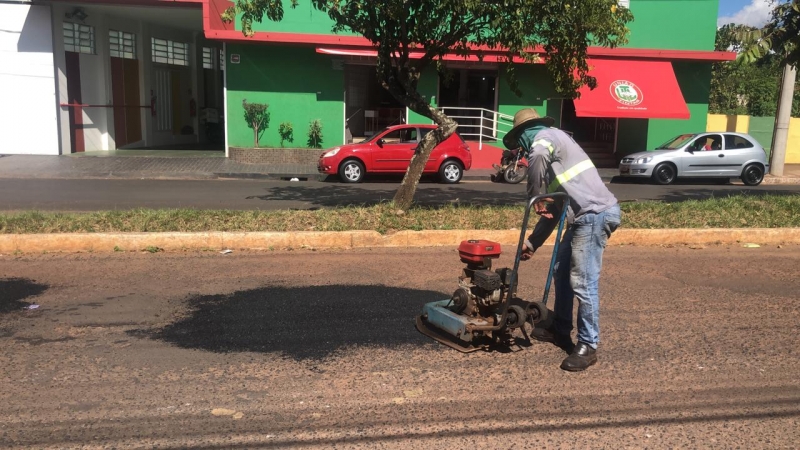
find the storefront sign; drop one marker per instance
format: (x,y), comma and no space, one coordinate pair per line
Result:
(235,58)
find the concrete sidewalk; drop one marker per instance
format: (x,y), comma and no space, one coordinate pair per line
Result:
(203,165)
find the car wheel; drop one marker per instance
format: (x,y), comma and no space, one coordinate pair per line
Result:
(451,172)
(351,171)
(753,175)
(664,173)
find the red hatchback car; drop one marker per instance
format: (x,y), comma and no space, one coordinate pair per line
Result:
(390,151)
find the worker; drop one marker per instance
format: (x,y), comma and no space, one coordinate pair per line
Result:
(558,164)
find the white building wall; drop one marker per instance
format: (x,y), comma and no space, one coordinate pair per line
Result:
(28,117)
(96,85)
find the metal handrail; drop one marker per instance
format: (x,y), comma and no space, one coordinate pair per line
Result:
(496,120)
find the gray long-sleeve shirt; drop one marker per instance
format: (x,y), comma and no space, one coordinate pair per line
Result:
(558,164)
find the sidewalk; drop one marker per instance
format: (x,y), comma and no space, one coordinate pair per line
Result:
(203,165)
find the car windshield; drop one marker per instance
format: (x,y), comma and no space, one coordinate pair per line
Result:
(676,142)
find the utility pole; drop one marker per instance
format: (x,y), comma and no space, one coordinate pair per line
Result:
(781,134)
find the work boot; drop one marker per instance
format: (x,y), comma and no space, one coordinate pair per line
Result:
(580,359)
(562,341)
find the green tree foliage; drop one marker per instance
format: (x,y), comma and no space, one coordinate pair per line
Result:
(562,29)
(257,118)
(741,86)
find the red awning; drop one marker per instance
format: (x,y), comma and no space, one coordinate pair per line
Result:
(632,89)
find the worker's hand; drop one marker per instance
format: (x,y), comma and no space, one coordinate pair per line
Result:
(541,208)
(527,252)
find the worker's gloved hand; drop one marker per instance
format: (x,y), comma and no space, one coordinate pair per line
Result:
(527,252)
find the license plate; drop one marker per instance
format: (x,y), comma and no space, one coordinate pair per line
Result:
(624,169)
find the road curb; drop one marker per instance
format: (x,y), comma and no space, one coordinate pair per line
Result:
(215,240)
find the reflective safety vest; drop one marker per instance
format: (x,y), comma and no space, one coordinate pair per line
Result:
(569,173)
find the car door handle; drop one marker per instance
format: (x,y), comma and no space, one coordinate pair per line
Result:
(721,156)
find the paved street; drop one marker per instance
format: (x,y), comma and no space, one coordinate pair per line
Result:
(88,195)
(254,350)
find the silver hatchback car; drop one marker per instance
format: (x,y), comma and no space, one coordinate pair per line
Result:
(702,155)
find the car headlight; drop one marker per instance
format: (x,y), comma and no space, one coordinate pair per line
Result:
(331,153)
(644,160)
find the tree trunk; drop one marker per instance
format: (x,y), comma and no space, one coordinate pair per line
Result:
(447,126)
(255,136)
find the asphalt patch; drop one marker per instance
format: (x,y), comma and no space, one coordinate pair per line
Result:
(14,290)
(304,323)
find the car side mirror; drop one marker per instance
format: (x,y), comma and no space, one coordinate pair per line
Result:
(380,142)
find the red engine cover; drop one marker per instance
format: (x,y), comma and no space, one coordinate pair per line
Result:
(474,251)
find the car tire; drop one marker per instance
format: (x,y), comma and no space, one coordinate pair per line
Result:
(351,171)
(753,175)
(451,172)
(664,173)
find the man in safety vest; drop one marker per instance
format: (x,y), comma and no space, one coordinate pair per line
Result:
(557,163)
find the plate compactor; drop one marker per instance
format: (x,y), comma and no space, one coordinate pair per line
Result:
(484,312)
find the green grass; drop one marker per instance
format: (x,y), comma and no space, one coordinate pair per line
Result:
(769,211)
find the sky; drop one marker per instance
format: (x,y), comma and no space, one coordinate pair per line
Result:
(747,12)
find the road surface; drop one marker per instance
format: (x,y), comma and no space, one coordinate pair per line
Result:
(316,349)
(91,194)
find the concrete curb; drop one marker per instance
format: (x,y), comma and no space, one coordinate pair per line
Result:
(108,242)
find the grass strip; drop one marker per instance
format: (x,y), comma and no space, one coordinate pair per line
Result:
(768,211)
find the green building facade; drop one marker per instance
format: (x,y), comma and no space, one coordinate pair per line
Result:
(304,72)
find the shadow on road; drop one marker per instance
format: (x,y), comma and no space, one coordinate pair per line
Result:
(304,323)
(332,195)
(14,290)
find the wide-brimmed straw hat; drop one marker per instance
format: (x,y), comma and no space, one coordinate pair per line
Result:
(523,119)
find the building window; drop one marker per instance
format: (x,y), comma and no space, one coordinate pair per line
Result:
(170,52)
(122,44)
(221,60)
(79,38)
(208,60)
(625,3)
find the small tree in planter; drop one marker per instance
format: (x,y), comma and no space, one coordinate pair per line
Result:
(257,118)
(287,132)
(315,134)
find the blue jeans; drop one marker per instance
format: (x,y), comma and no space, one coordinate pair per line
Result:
(577,273)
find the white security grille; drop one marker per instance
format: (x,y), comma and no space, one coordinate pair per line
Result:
(208,60)
(170,52)
(121,44)
(221,60)
(163,91)
(79,38)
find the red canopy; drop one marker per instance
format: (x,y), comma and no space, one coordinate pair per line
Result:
(632,89)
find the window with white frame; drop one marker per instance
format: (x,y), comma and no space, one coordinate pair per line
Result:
(221,60)
(121,44)
(79,38)
(170,52)
(208,59)
(625,3)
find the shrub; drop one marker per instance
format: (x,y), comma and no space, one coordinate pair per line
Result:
(315,134)
(287,132)
(257,118)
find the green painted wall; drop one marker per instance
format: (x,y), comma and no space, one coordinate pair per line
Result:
(298,84)
(761,129)
(302,19)
(428,86)
(536,87)
(667,24)
(632,136)
(694,80)
(673,24)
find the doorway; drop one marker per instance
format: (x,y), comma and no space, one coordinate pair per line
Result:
(468,96)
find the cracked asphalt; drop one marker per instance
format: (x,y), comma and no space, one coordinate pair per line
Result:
(317,349)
